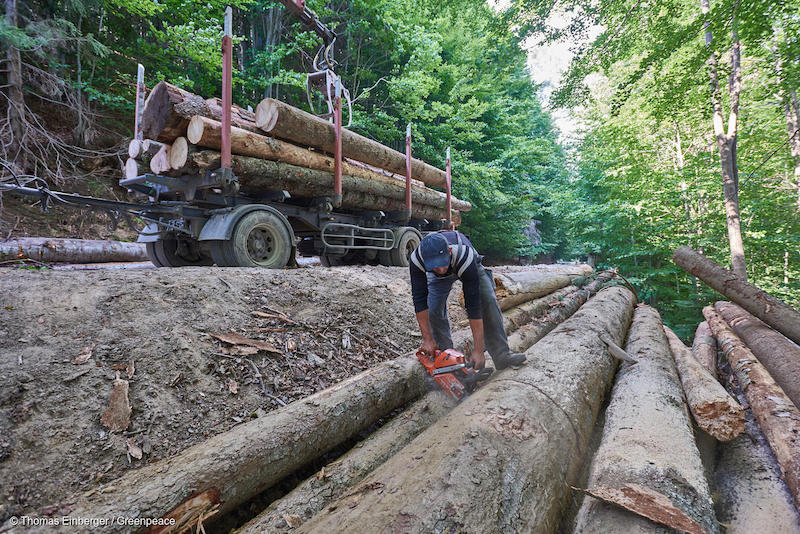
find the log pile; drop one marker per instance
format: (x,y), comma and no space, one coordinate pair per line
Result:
(288,152)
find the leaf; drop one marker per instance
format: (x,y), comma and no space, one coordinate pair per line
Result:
(84,356)
(233,386)
(237,339)
(292,520)
(130,370)
(134,450)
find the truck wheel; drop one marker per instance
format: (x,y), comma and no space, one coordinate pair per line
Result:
(151,254)
(170,253)
(407,244)
(259,239)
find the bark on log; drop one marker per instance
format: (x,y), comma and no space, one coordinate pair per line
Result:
(133,168)
(519,316)
(772,311)
(282,120)
(537,328)
(168,109)
(647,460)
(715,411)
(238,464)
(502,460)
(259,175)
(704,348)
(54,250)
(208,133)
(752,496)
(777,354)
(778,418)
(318,491)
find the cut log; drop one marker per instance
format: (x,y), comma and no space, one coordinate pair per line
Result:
(287,122)
(537,328)
(647,461)
(777,354)
(55,250)
(179,153)
(318,491)
(752,497)
(259,175)
(715,411)
(208,133)
(168,109)
(704,348)
(502,460)
(133,168)
(778,418)
(772,311)
(159,164)
(134,148)
(242,462)
(519,316)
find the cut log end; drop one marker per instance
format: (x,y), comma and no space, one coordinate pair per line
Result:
(179,153)
(134,148)
(266,115)
(132,168)
(194,133)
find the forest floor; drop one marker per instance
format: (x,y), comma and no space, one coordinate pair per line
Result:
(65,335)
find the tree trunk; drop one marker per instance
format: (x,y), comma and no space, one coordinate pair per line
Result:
(503,459)
(704,348)
(514,288)
(778,418)
(133,168)
(772,311)
(520,315)
(537,328)
(178,153)
(282,120)
(713,409)
(54,250)
(228,469)
(259,175)
(337,477)
(208,133)
(751,496)
(777,354)
(16,99)
(647,452)
(726,143)
(168,110)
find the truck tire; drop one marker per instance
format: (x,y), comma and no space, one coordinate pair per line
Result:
(151,254)
(170,253)
(260,239)
(408,242)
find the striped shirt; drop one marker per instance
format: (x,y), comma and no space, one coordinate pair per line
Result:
(463,264)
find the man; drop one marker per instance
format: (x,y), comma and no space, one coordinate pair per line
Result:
(441,259)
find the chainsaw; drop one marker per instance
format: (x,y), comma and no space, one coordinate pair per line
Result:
(452,372)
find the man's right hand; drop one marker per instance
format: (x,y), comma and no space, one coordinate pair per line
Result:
(479,359)
(429,347)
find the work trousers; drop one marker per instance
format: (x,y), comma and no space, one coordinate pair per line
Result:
(494,334)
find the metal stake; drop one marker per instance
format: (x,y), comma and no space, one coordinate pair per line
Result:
(408,170)
(448,218)
(337,149)
(140,90)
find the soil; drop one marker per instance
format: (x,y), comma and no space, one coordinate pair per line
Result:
(324,324)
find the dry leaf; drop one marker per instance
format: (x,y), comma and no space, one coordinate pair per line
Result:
(41,320)
(130,370)
(273,316)
(292,520)
(237,339)
(118,414)
(321,475)
(84,356)
(233,386)
(134,450)
(291,346)
(239,350)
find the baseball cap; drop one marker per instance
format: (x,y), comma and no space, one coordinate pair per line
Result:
(434,251)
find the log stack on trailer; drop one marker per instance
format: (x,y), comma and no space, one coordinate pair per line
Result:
(282,157)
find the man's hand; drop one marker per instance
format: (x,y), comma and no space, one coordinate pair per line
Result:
(479,359)
(428,346)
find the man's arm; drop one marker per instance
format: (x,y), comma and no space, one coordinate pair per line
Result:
(428,343)
(419,294)
(477,355)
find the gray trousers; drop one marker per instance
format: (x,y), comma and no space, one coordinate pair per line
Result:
(494,334)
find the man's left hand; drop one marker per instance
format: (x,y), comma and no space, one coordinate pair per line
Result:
(478,358)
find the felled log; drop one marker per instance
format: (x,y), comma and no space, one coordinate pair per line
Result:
(751,495)
(133,168)
(772,311)
(168,109)
(704,348)
(56,250)
(538,327)
(224,471)
(259,175)
(240,117)
(715,411)
(287,122)
(319,490)
(208,133)
(134,148)
(159,163)
(777,354)
(179,153)
(778,418)
(502,460)
(647,461)
(519,316)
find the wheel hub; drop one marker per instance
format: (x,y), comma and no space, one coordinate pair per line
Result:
(261,244)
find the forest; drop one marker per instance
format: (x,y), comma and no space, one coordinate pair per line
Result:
(687,112)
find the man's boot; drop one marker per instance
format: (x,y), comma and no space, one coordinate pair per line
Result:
(512,359)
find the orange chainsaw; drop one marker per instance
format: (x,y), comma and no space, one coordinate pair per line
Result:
(453,372)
